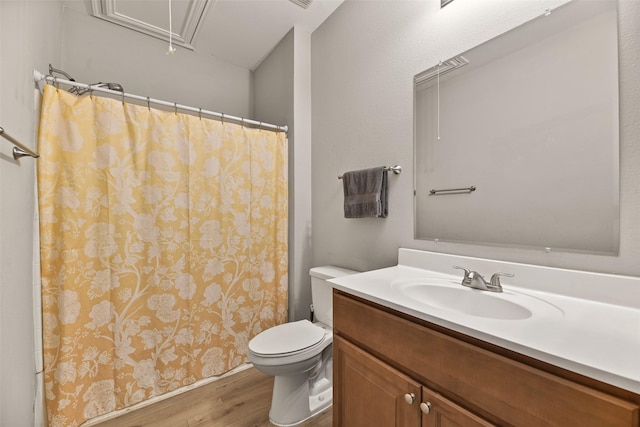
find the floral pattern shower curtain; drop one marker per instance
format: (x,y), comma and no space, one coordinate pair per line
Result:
(163,249)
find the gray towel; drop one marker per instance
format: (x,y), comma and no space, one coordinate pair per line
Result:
(365,193)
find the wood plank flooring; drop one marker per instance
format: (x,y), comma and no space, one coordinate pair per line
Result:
(239,400)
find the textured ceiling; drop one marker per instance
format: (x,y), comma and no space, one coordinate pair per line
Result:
(241,32)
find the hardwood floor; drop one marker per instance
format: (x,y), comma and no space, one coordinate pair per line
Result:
(239,400)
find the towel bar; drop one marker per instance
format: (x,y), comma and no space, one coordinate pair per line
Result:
(452,191)
(396,170)
(19,150)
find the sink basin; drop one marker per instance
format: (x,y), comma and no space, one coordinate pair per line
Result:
(450,295)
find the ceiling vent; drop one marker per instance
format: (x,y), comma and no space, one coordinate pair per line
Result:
(302,3)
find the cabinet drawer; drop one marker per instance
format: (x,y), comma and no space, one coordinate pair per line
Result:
(502,390)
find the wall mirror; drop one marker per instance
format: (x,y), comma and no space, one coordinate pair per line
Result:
(524,130)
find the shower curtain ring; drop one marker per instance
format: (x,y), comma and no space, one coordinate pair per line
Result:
(242,122)
(222,118)
(123,98)
(90,92)
(148,106)
(200,113)
(175,108)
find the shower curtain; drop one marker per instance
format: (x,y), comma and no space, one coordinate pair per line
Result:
(163,249)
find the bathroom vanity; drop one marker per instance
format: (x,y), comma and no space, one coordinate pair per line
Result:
(405,358)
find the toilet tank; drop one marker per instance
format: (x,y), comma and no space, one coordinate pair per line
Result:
(322,291)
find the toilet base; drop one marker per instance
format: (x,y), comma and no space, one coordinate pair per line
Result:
(293,402)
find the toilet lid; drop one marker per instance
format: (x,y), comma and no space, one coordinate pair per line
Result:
(287,338)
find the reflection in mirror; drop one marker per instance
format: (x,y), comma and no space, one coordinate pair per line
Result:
(530,120)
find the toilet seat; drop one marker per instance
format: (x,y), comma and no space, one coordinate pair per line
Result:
(287,339)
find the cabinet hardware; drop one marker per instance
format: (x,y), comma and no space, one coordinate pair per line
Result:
(409,398)
(425,407)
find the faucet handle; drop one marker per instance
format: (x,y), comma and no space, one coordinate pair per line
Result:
(467,274)
(495,279)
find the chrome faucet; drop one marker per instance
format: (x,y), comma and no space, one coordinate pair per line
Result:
(473,279)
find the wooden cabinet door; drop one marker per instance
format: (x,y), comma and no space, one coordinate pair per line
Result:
(367,392)
(441,412)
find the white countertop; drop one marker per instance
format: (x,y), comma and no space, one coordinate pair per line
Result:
(598,339)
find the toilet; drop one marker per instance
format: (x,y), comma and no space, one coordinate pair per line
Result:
(300,356)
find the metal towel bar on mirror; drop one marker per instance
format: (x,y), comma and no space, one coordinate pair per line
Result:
(396,170)
(20,150)
(452,191)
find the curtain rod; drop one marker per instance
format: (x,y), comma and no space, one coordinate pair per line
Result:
(38,77)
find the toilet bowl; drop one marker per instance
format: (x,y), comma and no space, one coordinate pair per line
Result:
(300,356)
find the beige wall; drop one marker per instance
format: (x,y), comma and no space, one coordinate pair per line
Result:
(362,103)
